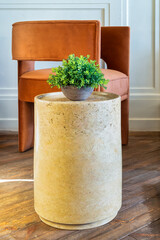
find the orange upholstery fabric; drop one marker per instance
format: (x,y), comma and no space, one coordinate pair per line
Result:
(37,75)
(46,41)
(118,82)
(115,48)
(37,79)
(55,40)
(34,83)
(115,51)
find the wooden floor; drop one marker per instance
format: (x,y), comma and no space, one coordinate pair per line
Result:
(139,217)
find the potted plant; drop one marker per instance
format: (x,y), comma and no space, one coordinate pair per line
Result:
(77,77)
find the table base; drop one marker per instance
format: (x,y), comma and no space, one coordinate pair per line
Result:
(79,226)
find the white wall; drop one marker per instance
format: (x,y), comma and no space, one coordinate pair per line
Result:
(141,15)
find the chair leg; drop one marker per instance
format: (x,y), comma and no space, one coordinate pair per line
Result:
(26,124)
(125,120)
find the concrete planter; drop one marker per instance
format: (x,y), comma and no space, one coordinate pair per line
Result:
(77,160)
(76,94)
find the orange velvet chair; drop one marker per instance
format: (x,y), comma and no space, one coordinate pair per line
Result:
(55,40)
(115,51)
(46,41)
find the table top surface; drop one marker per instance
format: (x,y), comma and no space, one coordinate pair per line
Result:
(94,97)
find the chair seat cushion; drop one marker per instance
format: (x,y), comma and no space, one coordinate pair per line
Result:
(34,83)
(118,82)
(41,74)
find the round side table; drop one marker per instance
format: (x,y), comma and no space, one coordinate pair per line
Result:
(77,160)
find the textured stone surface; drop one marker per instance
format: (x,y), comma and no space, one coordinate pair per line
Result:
(77,160)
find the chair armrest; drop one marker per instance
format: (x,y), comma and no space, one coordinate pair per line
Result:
(25,66)
(115,48)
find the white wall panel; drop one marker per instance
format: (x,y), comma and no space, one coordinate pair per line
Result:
(143,18)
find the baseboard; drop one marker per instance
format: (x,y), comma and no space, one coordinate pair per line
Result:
(8,124)
(144,124)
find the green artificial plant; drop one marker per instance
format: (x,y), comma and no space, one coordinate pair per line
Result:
(79,72)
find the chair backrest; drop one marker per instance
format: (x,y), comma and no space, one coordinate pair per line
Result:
(55,40)
(115,48)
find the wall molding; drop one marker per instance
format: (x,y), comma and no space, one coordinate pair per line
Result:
(144,124)
(9,124)
(144,101)
(8,92)
(155,88)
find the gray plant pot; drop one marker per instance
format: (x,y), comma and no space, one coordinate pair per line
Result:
(76,94)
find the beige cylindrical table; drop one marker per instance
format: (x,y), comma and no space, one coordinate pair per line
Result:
(77,160)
